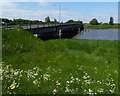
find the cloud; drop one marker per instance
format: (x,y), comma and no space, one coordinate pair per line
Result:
(7,5)
(44,3)
(28,14)
(41,14)
(10,10)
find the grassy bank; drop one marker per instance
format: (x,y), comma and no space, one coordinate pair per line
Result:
(67,66)
(88,26)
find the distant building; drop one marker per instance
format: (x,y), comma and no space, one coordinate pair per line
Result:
(85,23)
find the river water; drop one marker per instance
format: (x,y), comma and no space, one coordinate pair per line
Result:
(98,34)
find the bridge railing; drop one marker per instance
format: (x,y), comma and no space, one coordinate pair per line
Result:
(37,25)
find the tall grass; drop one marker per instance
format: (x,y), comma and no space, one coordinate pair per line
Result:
(66,66)
(87,26)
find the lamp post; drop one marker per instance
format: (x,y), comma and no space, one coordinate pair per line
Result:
(59,31)
(59,12)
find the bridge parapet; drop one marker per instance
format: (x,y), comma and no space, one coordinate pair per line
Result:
(32,26)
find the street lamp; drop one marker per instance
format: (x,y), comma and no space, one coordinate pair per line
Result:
(59,32)
(59,12)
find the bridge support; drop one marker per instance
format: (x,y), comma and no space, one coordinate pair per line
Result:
(55,32)
(59,33)
(79,30)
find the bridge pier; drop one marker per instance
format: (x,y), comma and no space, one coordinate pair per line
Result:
(56,32)
(60,33)
(79,30)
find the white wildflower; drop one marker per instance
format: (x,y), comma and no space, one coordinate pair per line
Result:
(67,89)
(57,83)
(54,91)
(77,79)
(67,82)
(35,82)
(16,73)
(101,90)
(46,77)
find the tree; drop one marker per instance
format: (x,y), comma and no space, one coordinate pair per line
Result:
(6,20)
(35,21)
(111,21)
(70,21)
(18,21)
(55,20)
(80,22)
(47,19)
(94,21)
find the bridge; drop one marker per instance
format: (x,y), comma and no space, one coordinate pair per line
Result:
(50,30)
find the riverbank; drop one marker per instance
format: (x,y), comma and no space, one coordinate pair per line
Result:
(88,26)
(65,66)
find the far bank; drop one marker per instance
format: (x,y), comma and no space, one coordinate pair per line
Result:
(88,26)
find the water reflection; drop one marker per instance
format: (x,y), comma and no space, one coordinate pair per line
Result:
(104,34)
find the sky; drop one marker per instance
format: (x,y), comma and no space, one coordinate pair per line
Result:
(84,11)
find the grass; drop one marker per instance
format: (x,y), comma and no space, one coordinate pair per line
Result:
(88,26)
(66,66)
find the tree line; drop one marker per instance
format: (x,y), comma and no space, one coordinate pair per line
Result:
(94,21)
(19,21)
(25,21)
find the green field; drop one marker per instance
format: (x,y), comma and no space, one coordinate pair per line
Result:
(66,66)
(88,26)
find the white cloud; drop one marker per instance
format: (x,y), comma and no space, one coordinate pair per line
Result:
(41,14)
(7,5)
(28,14)
(11,11)
(44,3)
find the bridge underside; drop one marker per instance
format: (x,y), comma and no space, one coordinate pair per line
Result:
(57,32)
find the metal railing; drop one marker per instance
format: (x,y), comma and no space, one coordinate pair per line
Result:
(32,26)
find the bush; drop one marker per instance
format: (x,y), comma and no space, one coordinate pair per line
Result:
(94,21)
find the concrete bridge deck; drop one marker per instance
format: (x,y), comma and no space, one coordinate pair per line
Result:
(51,29)
(47,28)
(32,26)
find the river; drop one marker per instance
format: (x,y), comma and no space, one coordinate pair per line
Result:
(98,34)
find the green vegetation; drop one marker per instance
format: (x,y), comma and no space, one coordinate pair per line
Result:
(5,20)
(47,19)
(66,66)
(55,20)
(111,21)
(94,21)
(25,21)
(94,24)
(19,21)
(72,21)
(106,26)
